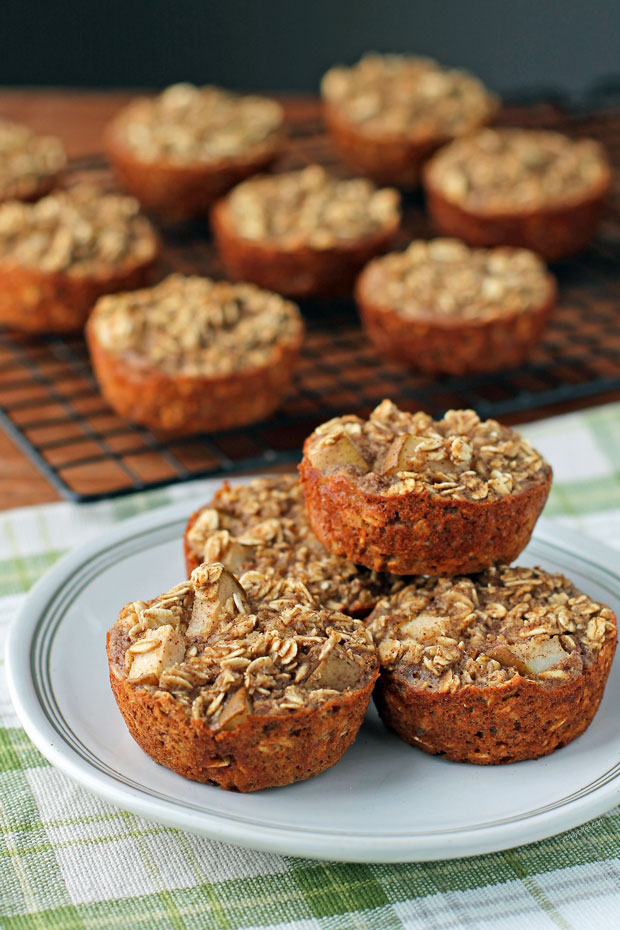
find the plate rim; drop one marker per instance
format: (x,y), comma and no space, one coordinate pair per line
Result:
(314,843)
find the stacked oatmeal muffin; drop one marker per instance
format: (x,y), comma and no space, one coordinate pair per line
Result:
(385,566)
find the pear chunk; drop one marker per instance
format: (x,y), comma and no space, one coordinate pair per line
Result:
(529,658)
(236,710)
(337,671)
(401,454)
(168,648)
(217,594)
(224,548)
(339,453)
(423,627)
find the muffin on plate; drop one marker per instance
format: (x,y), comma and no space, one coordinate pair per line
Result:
(304,233)
(505,666)
(194,355)
(178,152)
(57,256)
(244,684)
(263,525)
(521,187)
(404,493)
(29,163)
(442,307)
(387,114)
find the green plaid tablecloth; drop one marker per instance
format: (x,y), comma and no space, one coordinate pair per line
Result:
(69,860)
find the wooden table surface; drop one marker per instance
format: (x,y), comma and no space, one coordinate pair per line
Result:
(79,117)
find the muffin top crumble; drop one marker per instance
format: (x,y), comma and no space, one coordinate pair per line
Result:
(196,326)
(407,96)
(81,231)
(187,124)
(445,278)
(518,170)
(442,634)
(263,525)
(26,160)
(226,648)
(311,208)
(396,452)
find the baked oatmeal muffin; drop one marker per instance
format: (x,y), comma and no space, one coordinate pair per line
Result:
(528,188)
(57,256)
(29,163)
(442,307)
(242,684)
(387,114)
(193,355)
(180,151)
(263,525)
(505,666)
(305,232)
(403,493)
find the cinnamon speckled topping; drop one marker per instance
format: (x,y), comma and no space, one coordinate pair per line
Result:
(82,231)
(444,634)
(395,452)
(187,124)
(310,207)
(227,648)
(445,278)
(26,159)
(263,525)
(407,96)
(197,326)
(518,170)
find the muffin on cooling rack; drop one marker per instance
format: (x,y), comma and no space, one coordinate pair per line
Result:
(192,355)
(387,114)
(442,307)
(529,188)
(180,151)
(242,684)
(403,493)
(506,666)
(263,525)
(57,256)
(29,163)
(305,232)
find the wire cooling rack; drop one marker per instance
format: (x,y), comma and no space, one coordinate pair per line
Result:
(50,405)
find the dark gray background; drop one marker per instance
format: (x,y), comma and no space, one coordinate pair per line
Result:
(285,45)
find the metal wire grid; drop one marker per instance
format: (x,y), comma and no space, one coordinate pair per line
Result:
(50,405)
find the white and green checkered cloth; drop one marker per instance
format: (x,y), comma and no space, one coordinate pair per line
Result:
(69,860)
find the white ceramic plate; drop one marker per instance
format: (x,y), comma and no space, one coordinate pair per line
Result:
(384,802)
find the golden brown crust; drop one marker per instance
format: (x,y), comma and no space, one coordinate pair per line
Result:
(515,721)
(454,345)
(180,404)
(174,192)
(264,751)
(300,272)
(415,532)
(388,159)
(553,232)
(39,301)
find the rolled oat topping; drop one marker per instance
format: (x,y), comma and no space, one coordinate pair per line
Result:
(81,231)
(187,124)
(518,169)
(26,160)
(445,278)
(263,525)
(197,326)
(311,208)
(227,649)
(460,456)
(444,634)
(407,96)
